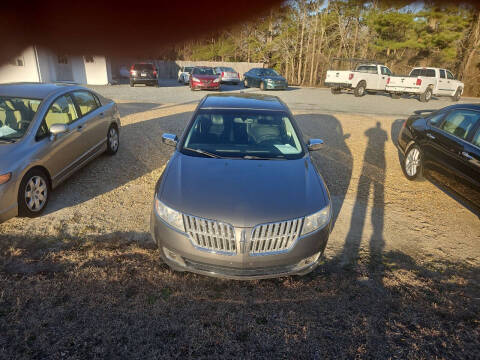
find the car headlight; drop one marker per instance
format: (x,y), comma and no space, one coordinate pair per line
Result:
(316,221)
(268,80)
(170,216)
(216,80)
(195,79)
(5,178)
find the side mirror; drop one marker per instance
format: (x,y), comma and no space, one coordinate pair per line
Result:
(170,139)
(57,129)
(314,144)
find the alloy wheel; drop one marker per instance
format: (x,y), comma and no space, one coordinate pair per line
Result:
(36,193)
(412,162)
(113,138)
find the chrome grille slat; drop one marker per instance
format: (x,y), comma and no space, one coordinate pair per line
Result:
(274,237)
(210,235)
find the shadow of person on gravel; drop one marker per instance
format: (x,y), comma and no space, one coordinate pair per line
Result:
(334,160)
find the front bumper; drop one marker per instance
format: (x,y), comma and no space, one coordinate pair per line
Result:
(206,86)
(8,201)
(274,86)
(299,260)
(338,85)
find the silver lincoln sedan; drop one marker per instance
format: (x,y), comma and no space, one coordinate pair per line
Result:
(47,131)
(240,197)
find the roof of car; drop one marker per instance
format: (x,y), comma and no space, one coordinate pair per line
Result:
(243,101)
(34,90)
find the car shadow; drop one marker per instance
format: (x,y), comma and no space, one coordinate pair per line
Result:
(334,160)
(111,295)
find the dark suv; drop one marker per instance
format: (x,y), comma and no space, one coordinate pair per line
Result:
(143,73)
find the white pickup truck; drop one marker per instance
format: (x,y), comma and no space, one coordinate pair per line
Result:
(425,82)
(366,77)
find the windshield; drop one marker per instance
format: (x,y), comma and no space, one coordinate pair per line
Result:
(269,72)
(16,114)
(203,71)
(243,134)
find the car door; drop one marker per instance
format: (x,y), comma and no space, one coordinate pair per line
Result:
(385,73)
(443,87)
(451,83)
(450,151)
(60,152)
(92,123)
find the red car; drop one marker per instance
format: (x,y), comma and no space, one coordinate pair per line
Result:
(203,77)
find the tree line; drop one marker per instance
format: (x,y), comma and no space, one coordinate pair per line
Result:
(302,38)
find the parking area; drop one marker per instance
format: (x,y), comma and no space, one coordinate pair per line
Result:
(400,274)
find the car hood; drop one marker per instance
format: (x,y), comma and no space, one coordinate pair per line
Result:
(205,77)
(241,192)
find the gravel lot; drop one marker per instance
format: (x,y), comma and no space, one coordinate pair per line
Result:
(400,277)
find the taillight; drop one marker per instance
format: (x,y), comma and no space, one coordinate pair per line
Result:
(154,72)
(388,81)
(223,74)
(132,70)
(404,124)
(419,82)
(350,77)
(238,75)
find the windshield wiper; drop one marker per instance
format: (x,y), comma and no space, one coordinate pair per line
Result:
(253,157)
(10,140)
(203,152)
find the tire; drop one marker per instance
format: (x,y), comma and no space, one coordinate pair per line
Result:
(457,95)
(335,91)
(113,140)
(360,89)
(262,86)
(412,163)
(427,95)
(395,96)
(245,83)
(34,193)
(132,84)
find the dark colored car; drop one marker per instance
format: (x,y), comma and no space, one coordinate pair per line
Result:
(445,145)
(203,77)
(240,196)
(143,73)
(265,79)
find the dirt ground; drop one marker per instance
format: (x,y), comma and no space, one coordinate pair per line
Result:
(400,277)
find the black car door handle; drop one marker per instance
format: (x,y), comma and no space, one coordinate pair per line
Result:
(467,156)
(430,136)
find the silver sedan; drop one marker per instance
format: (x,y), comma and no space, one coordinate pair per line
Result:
(48,131)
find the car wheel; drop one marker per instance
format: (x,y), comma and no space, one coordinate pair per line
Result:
(245,83)
(34,193)
(395,96)
(360,89)
(262,86)
(132,84)
(426,96)
(412,163)
(113,140)
(457,95)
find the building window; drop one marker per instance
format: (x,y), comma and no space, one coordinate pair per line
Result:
(62,59)
(17,61)
(89,59)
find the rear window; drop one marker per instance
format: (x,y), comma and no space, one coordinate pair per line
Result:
(188,69)
(143,67)
(423,72)
(227,69)
(371,69)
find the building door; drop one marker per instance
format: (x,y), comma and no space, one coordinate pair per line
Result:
(63,68)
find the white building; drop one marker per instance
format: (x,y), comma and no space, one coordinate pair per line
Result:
(36,64)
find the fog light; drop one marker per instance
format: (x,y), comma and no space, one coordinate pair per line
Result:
(170,255)
(308,261)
